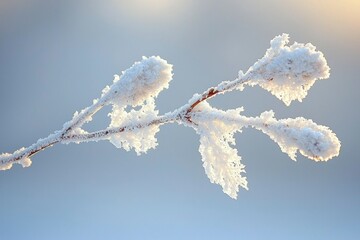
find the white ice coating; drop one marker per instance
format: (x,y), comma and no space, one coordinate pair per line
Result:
(137,86)
(220,160)
(24,162)
(288,72)
(314,141)
(143,80)
(140,139)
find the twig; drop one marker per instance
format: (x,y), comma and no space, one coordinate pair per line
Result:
(182,114)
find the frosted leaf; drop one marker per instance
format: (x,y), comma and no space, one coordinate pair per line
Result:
(143,80)
(288,72)
(140,139)
(314,141)
(221,162)
(24,162)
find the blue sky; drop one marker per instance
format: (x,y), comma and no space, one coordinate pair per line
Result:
(56,56)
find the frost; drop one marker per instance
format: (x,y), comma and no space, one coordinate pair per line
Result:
(137,86)
(143,80)
(141,139)
(288,72)
(5,166)
(221,162)
(314,141)
(24,162)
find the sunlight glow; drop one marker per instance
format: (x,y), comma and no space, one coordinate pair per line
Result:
(340,16)
(151,10)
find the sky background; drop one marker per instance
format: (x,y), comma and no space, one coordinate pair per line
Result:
(56,56)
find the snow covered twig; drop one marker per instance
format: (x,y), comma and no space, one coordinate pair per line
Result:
(287,72)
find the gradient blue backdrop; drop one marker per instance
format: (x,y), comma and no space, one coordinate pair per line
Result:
(56,56)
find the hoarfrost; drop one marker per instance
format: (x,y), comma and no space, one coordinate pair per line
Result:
(288,72)
(141,139)
(143,80)
(314,141)
(24,162)
(137,86)
(221,162)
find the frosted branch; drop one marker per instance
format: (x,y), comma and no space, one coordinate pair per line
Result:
(288,72)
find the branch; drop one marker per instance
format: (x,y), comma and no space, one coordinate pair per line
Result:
(182,115)
(287,72)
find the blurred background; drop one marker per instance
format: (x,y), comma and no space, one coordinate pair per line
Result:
(56,56)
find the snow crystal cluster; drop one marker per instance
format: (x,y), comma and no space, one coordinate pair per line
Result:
(288,72)
(142,81)
(137,86)
(314,141)
(141,139)
(220,160)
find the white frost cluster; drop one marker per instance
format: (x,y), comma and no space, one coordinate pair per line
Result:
(143,80)
(137,86)
(140,139)
(314,141)
(221,161)
(288,72)
(24,162)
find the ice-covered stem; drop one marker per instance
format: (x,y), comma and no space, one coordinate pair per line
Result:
(182,114)
(65,135)
(106,133)
(22,156)
(84,116)
(223,87)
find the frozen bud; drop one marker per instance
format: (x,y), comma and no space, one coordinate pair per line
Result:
(141,81)
(288,72)
(314,141)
